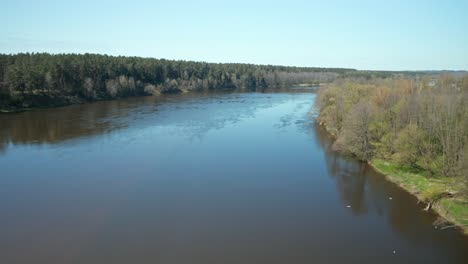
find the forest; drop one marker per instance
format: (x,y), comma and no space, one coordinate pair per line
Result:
(413,128)
(421,122)
(42,79)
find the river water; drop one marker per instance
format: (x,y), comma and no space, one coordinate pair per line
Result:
(200,178)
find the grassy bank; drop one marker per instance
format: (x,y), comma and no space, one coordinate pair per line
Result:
(440,193)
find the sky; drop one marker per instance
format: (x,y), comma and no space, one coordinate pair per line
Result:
(372,35)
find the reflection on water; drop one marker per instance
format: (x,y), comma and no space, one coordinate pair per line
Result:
(200,178)
(367,192)
(350,175)
(71,122)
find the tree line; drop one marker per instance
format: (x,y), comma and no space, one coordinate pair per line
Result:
(40,79)
(415,121)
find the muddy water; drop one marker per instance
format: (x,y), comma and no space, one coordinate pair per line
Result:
(200,178)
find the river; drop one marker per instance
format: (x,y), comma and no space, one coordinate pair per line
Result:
(201,178)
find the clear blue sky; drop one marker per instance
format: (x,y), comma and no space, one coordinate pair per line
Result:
(385,35)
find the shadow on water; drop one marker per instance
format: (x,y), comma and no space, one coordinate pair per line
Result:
(368,192)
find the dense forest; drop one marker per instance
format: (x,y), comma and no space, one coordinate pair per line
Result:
(41,79)
(421,122)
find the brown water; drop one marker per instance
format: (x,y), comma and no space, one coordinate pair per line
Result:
(200,178)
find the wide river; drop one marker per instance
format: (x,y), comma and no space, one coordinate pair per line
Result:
(208,178)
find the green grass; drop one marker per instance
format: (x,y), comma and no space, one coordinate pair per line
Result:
(429,189)
(410,178)
(456,211)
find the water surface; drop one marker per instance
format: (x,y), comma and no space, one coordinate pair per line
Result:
(200,178)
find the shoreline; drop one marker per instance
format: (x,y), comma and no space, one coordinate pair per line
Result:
(428,190)
(443,207)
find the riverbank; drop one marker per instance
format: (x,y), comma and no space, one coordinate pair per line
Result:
(44,100)
(438,193)
(49,99)
(410,132)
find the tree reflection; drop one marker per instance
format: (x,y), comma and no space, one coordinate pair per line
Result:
(350,175)
(192,115)
(367,191)
(54,125)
